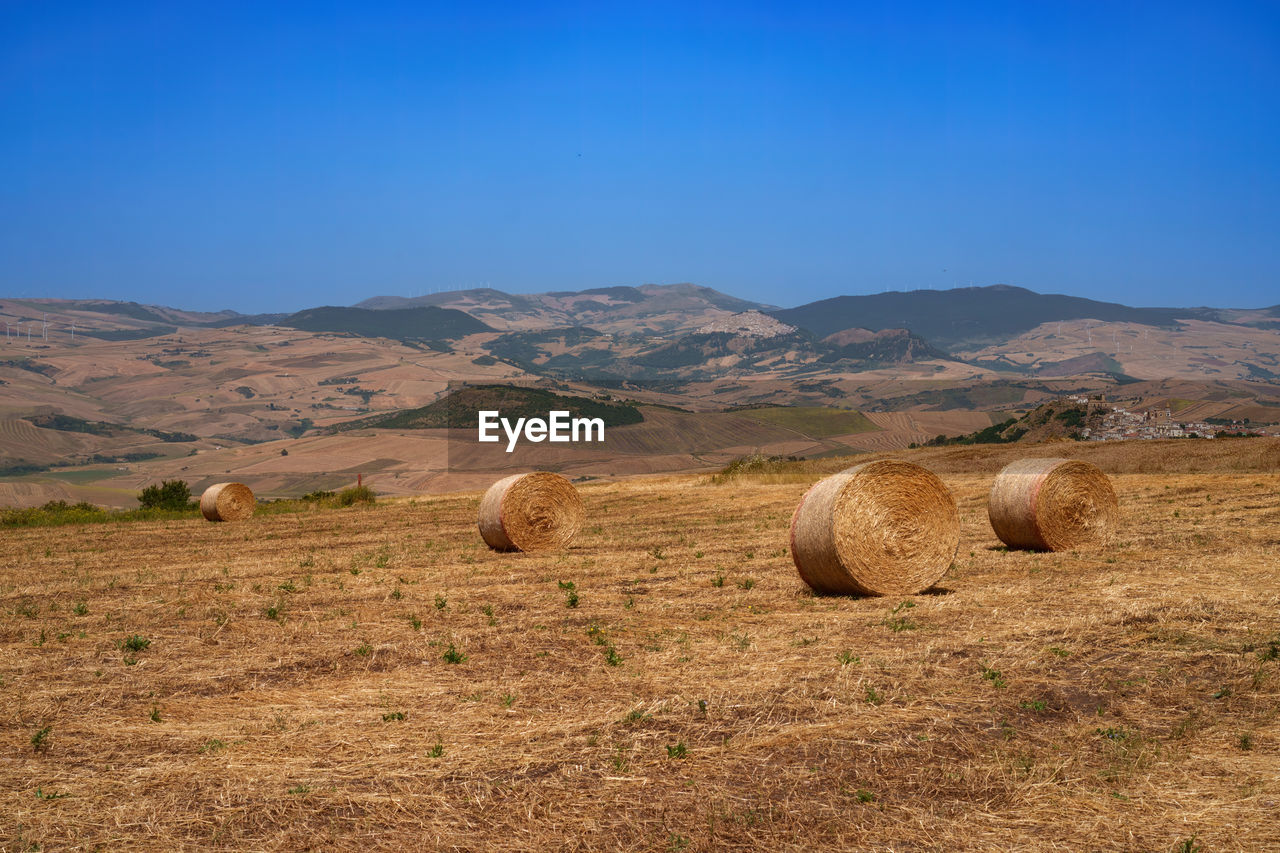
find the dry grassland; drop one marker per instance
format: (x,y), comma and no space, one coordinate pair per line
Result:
(1196,349)
(377,679)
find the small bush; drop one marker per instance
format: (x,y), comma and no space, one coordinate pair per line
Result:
(992,675)
(40,740)
(57,513)
(170,494)
(355,495)
(53,513)
(757,463)
(136,643)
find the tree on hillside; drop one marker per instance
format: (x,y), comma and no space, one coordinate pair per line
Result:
(170,494)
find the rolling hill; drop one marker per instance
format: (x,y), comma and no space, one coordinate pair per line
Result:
(650,309)
(967,315)
(460,407)
(427,323)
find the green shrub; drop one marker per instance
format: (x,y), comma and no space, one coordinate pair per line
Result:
(357,494)
(170,494)
(56,513)
(52,513)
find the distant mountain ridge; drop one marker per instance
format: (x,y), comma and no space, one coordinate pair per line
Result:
(654,309)
(686,332)
(968,315)
(945,318)
(426,323)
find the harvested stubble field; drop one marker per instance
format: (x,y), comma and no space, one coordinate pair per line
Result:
(375,678)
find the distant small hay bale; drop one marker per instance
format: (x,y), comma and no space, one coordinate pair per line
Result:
(880,528)
(227,502)
(1053,505)
(540,511)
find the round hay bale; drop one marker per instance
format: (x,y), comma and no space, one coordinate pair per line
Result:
(530,512)
(880,528)
(1052,505)
(227,502)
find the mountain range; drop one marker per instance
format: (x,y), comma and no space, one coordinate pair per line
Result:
(98,397)
(685,332)
(964,317)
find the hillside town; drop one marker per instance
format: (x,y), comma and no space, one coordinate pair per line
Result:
(1119,424)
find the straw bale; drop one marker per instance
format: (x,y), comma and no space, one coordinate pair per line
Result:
(880,528)
(227,502)
(539,511)
(1052,505)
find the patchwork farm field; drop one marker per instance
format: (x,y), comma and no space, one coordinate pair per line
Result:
(375,678)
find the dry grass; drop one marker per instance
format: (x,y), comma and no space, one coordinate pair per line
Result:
(694,697)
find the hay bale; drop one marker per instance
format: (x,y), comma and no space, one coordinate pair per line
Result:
(1052,505)
(880,528)
(530,512)
(227,502)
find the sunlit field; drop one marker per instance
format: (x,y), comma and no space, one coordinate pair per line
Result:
(376,678)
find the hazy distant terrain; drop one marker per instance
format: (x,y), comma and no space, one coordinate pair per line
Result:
(142,392)
(686,332)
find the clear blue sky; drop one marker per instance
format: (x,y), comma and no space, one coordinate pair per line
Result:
(270,156)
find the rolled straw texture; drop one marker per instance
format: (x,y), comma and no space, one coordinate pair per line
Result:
(880,528)
(530,512)
(227,502)
(1053,505)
